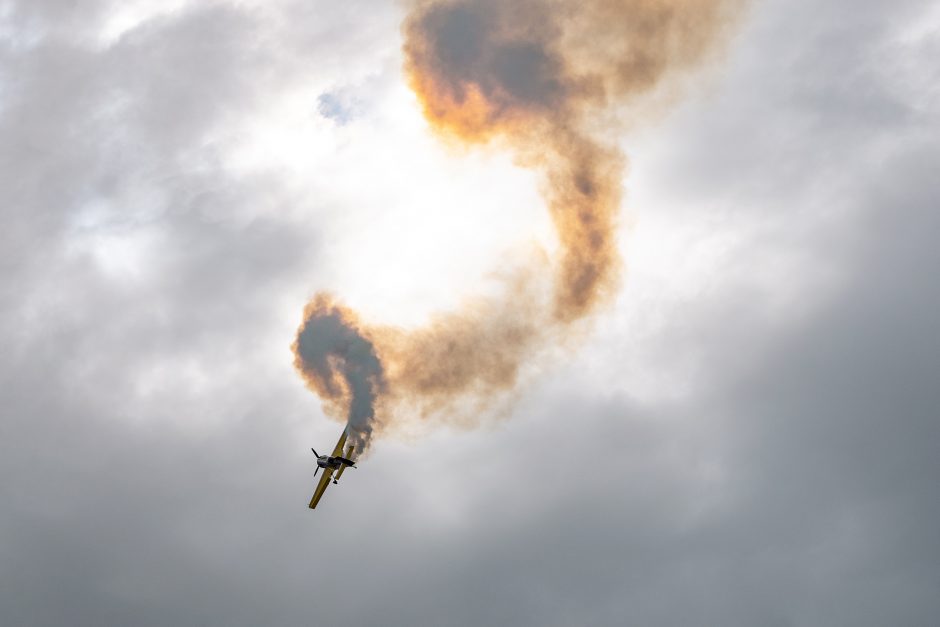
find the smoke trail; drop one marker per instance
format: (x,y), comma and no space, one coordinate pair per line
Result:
(546,79)
(340,365)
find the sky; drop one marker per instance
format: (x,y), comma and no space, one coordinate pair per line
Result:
(747,435)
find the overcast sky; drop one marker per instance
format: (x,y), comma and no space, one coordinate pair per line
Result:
(749,436)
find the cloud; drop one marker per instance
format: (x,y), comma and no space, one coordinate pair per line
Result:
(154,439)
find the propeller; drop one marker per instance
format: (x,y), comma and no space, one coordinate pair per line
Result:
(316,471)
(315,452)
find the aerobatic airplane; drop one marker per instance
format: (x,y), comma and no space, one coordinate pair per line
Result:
(329,463)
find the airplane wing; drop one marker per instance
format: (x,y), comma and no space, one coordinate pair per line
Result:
(327,474)
(339,445)
(321,487)
(349,453)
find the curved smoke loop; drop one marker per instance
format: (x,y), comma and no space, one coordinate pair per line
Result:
(544,77)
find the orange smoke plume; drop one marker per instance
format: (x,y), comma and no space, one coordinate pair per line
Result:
(546,79)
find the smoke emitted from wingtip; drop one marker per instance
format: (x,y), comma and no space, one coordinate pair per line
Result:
(545,78)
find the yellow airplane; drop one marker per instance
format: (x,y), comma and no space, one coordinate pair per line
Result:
(329,463)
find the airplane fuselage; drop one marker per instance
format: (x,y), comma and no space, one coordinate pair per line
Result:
(329,461)
(335,463)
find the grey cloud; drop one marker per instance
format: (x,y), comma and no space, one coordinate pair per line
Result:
(799,491)
(794,487)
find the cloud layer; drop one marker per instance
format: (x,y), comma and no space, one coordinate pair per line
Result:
(154,440)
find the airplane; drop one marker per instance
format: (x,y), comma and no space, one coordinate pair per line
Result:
(329,463)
